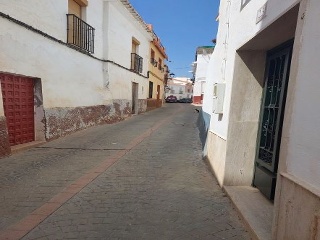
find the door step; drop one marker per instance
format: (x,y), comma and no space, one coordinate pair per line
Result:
(255,210)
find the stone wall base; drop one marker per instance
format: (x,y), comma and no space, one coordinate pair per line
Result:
(297,210)
(4,138)
(153,104)
(142,105)
(216,156)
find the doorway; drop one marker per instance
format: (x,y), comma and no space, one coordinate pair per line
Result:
(18,103)
(271,118)
(134,98)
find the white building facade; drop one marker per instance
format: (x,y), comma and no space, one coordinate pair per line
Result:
(199,69)
(67,65)
(259,121)
(180,87)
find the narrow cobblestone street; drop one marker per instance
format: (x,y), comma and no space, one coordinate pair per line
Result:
(142,178)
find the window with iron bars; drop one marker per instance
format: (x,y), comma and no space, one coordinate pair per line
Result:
(79,33)
(136,63)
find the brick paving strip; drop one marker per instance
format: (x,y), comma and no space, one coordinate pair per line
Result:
(23,227)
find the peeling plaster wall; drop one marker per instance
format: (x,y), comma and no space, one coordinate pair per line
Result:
(142,105)
(4,138)
(39,121)
(63,121)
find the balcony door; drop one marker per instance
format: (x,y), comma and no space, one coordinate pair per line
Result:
(74,8)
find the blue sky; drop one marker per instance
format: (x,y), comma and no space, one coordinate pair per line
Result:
(182,26)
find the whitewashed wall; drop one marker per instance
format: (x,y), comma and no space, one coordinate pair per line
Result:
(69,78)
(216,74)
(78,90)
(303,130)
(177,88)
(201,72)
(120,27)
(235,29)
(50,17)
(121,82)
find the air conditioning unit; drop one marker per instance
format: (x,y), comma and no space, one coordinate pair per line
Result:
(218,97)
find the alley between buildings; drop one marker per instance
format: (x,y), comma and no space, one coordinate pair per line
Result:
(142,178)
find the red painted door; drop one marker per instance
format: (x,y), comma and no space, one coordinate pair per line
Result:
(18,103)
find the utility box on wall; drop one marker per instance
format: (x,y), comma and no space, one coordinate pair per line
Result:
(218,97)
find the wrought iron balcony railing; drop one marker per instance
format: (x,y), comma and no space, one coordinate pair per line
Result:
(136,63)
(79,33)
(153,62)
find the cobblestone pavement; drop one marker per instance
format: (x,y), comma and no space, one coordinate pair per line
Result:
(156,188)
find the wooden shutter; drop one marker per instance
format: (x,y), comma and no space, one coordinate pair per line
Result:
(74,8)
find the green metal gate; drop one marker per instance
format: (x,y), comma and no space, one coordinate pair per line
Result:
(271,118)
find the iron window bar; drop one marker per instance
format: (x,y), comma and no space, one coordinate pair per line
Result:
(79,33)
(136,63)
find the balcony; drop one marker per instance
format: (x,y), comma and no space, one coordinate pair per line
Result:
(136,63)
(80,34)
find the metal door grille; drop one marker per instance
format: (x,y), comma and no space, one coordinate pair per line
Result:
(271,118)
(277,74)
(271,109)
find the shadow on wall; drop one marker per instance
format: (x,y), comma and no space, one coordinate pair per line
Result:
(203,123)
